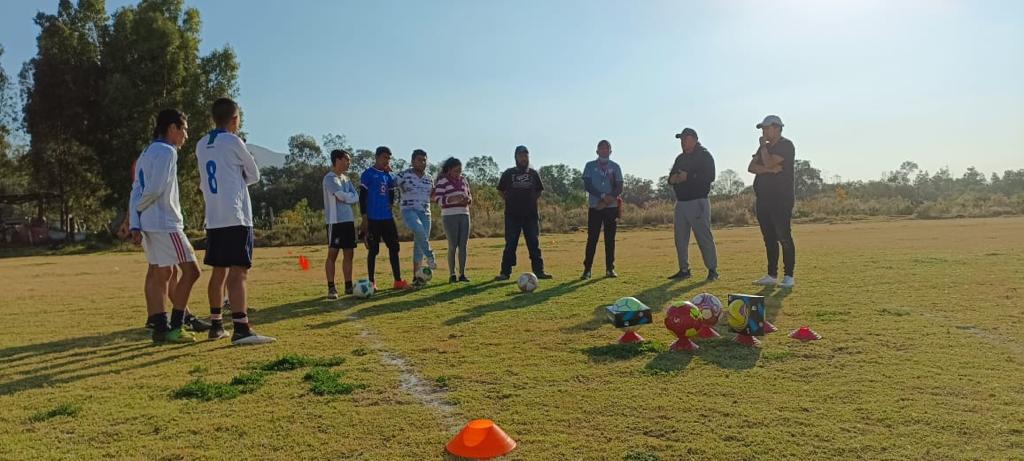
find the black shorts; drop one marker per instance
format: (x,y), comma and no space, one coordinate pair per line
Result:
(378,230)
(229,246)
(341,235)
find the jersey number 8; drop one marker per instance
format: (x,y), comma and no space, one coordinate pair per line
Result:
(211,176)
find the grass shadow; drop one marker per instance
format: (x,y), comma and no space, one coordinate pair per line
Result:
(519,301)
(668,363)
(458,292)
(616,352)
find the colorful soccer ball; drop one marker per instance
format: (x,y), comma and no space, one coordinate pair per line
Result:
(363,288)
(738,315)
(424,273)
(528,282)
(710,308)
(628,304)
(684,319)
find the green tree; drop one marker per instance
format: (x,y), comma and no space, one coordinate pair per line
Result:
(807,179)
(562,182)
(482,170)
(303,150)
(636,190)
(728,184)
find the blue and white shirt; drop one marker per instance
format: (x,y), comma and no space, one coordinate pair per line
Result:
(414,190)
(153,205)
(379,189)
(226,169)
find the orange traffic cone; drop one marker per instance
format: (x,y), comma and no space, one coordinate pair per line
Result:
(481,439)
(304,263)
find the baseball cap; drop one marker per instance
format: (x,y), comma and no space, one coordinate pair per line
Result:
(771,120)
(521,149)
(686,132)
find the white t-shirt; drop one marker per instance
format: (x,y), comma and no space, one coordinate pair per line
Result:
(339,196)
(226,169)
(153,205)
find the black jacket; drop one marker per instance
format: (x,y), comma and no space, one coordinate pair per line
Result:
(699,166)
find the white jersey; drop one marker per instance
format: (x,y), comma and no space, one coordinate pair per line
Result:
(153,205)
(226,169)
(339,196)
(414,190)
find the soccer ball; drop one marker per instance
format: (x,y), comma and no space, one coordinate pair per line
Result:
(683,318)
(710,308)
(527,282)
(738,315)
(424,273)
(363,288)
(628,304)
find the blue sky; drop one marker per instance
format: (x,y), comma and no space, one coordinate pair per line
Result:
(861,84)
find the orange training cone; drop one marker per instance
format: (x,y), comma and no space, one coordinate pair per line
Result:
(304,263)
(481,439)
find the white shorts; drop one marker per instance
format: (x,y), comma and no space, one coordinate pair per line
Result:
(167,249)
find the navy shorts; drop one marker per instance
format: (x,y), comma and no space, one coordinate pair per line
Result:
(229,246)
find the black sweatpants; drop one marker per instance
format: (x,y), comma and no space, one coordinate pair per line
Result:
(596,219)
(776,228)
(382,230)
(529,227)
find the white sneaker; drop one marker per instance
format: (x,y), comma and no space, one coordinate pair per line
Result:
(251,339)
(788,282)
(767,281)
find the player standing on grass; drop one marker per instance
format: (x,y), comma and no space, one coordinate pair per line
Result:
(415,187)
(226,169)
(156,222)
(376,195)
(773,164)
(339,196)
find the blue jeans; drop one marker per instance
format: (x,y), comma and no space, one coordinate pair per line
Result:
(418,222)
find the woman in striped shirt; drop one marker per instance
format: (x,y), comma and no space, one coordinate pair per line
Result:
(451,192)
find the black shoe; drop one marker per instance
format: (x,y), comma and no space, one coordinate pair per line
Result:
(586,275)
(348,290)
(501,277)
(681,275)
(150,325)
(544,276)
(463,278)
(159,337)
(418,282)
(196,324)
(712,276)
(452,278)
(611,274)
(217,333)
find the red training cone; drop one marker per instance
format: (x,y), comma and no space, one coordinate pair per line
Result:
(707,332)
(769,328)
(304,263)
(804,334)
(684,344)
(630,337)
(481,439)
(747,340)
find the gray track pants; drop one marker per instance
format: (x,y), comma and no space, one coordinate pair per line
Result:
(695,216)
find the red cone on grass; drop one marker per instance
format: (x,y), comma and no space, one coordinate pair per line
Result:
(804,334)
(747,340)
(769,328)
(707,332)
(304,263)
(684,344)
(481,439)
(630,337)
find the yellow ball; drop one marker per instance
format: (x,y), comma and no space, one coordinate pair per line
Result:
(737,314)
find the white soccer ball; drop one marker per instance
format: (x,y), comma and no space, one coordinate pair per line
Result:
(528,282)
(424,273)
(362,288)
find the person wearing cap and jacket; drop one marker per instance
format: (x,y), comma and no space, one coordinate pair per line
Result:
(521,187)
(774,188)
(602,179)
(691,178)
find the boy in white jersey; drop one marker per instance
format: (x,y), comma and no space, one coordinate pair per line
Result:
(339,196)
(156,222)
(226,169)
(415,187)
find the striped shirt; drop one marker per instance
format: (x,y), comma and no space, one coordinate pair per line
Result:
(445,193)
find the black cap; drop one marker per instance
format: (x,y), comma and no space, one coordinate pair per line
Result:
(686,132)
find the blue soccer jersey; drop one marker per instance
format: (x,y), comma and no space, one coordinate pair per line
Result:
(379,188)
